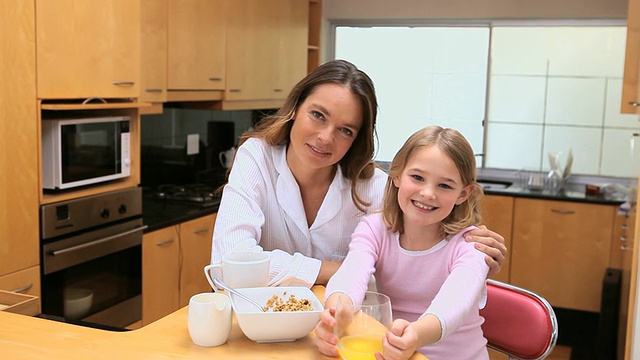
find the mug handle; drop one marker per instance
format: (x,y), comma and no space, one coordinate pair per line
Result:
(221,157)
(207,274)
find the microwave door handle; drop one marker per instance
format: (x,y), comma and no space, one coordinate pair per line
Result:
(96,242)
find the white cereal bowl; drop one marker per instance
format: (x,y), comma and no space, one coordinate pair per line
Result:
(275,326)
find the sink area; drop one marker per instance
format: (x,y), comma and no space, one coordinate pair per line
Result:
(494,184)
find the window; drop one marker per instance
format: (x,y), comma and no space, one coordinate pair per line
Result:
(517,92)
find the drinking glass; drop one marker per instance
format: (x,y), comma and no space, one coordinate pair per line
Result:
(361,328)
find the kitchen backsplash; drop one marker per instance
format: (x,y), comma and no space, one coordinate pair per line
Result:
(181,146)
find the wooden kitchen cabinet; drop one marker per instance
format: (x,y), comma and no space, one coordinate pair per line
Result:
(19,139)
(195,241)
(25,281)
(561,250)
(497,215)
(173,261)
(88,49)
(197,44)
(153,50)
(160,274)
(272,55)
(631,79)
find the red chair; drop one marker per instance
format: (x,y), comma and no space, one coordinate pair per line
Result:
(518,323)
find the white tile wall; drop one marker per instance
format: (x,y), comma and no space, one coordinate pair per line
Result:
(575,101)
(620,153)
(584,142)
(612,115)
(509,41)
(587,51)
(517,98)
(514,146)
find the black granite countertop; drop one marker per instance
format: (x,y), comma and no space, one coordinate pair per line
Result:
(563,195)
(158,214)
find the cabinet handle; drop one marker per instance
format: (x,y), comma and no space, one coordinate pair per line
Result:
(634,103)
(165,242)
(563,212)
(153,90)
(234,90)
(626,248)
(623,238)
(23,289)
(215,79)
(277,90)
(126,83)
(201,231)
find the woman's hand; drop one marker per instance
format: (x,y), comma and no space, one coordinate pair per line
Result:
(325,339)
(490,243)
(400,342)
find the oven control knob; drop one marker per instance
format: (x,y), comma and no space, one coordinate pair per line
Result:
(122,209)
(104,213)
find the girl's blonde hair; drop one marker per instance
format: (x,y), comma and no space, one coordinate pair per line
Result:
(357,164)
(456,147)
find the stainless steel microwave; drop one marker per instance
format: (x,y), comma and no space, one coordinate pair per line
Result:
(79,152)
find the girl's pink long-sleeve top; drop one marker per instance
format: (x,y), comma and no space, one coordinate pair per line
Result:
(447,280)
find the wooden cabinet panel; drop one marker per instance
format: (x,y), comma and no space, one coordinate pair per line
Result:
(88,48)
(25,281)
(19,189)
(160,274)
(497,215)
(197,44)
(195,241)
(153,50)
(630,92)
(561,250)
(173,261)
(272,54)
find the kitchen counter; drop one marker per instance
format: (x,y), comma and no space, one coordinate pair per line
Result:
(157,214)
(567,195)
(24,337)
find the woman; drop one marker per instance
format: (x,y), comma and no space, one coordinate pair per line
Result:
(303,177)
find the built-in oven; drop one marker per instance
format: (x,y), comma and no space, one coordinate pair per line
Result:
(91,259)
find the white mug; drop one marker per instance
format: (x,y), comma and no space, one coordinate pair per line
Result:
(209,319)
(242,269)
(226,157)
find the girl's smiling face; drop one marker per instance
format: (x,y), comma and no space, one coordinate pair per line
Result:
(429,187)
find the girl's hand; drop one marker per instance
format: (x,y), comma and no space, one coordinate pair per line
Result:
(400,342)
(490,243)
(325,339)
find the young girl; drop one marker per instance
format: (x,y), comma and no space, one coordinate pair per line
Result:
(415,248)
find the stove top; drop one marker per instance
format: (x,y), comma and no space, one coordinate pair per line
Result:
(195,194)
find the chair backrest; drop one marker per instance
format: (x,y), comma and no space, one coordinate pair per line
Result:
(518,322)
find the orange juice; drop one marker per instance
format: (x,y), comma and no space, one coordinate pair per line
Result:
(359,347)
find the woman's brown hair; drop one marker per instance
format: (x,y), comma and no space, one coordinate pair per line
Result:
(458,149)
(357,163)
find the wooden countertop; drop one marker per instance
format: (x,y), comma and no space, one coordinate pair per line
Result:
(24,337)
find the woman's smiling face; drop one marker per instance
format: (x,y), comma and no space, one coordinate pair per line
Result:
(429,187)
(325,126)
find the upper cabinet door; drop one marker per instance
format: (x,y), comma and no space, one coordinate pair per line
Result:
(153,53)
(196,44)
(88,48)
(290,45)
(266,48)
(630,92)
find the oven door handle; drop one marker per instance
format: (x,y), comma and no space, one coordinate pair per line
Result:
(99,241)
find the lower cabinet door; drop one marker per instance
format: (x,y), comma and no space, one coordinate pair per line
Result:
(160,274)
(195,239)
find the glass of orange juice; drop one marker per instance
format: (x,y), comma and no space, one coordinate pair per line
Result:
(361,328)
